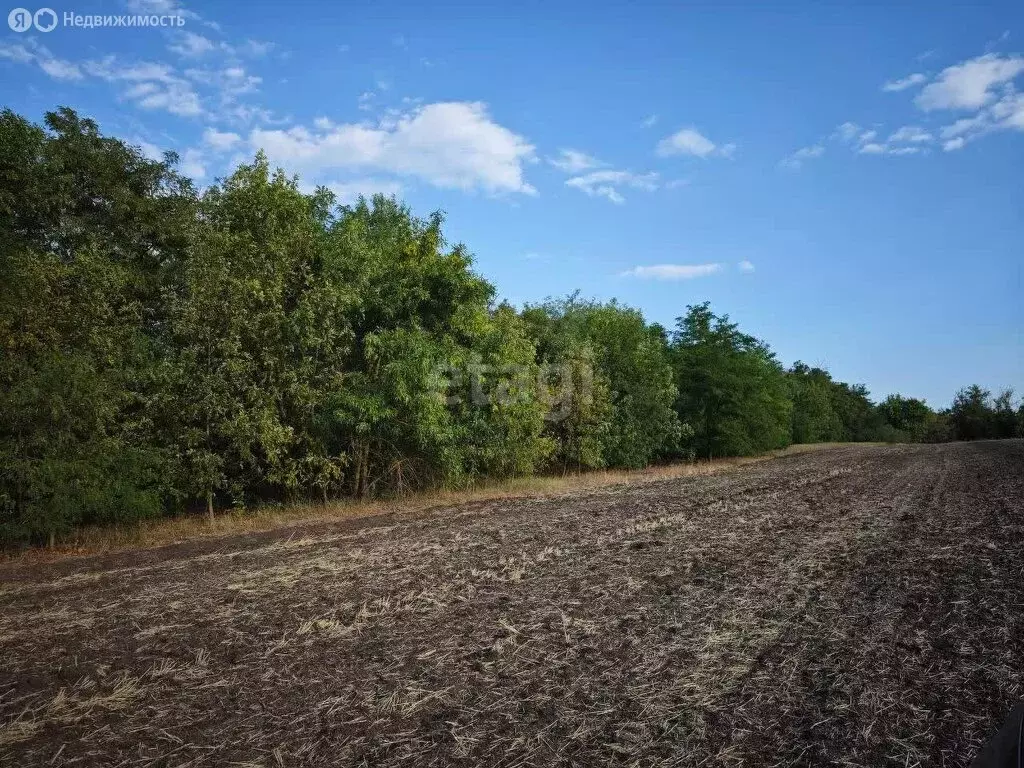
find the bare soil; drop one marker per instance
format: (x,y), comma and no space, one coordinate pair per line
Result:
(857,606)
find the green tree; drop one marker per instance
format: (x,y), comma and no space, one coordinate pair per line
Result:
(90,230)
(732,390)
(909,416)
(631,383)
(814,419)
(971,415)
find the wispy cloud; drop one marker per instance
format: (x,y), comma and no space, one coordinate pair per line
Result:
(690,141)
(221,141)
(672,271)
(796,160)
(746,266)
(970,84)
(574,161)
(31,51)
(909,81)
(608,183)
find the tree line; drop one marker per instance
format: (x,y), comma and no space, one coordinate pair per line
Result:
(167,350)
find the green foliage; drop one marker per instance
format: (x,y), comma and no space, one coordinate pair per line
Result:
(815,418)
(909,416)
(975,415)
(89,232)
(619,413)
(165,351)
(731,389)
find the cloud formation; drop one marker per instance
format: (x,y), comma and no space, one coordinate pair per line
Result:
(970,84)
(672,271)
(574,161)
(454,145)
(907,82)
(690,141)
(607,183)
(796,160)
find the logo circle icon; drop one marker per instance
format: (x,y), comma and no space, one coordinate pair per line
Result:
(20,20)
(45,19)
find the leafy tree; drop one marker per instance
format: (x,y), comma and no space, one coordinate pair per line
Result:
(164,350)
(632,382)
(732,390)
(814,419)
(971,414)
(908,415)
(89,231)
(1004,417)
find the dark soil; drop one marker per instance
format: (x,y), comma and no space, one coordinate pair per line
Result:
(855,606)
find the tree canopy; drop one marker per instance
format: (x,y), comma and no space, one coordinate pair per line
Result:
(167,349)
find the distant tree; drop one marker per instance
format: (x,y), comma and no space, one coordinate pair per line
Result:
(1004,418)
(814,419)
(732,390)
(971,415)
(908,415)
(631,382)
(860,419)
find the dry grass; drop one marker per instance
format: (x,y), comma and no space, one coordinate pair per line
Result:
(165,531)
(858,606)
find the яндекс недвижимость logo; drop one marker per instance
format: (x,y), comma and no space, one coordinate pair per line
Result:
(46,20)
(22,19)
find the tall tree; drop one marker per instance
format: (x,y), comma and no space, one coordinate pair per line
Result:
(732,390)
(90,230)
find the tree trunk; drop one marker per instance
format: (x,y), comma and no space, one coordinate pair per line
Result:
(209,505)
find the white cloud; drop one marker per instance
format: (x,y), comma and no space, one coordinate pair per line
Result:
(150,151)
(1009,111)
(746,266)
(953,144)
(847,132)
(649,121)
(31,51)
(802,155)
(866,142)
(970,84)
(255,48)
(574,161)
(672,271)
(910,133)
(452,145)
(907,82)
(229,82)
(192,164)
(689,141)
(190,45)
(221,141)
(151,85)
(60,69)
(607,183)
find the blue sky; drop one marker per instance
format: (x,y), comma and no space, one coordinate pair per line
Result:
(844,181)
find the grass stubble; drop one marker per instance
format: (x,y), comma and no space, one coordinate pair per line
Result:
(856,606)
